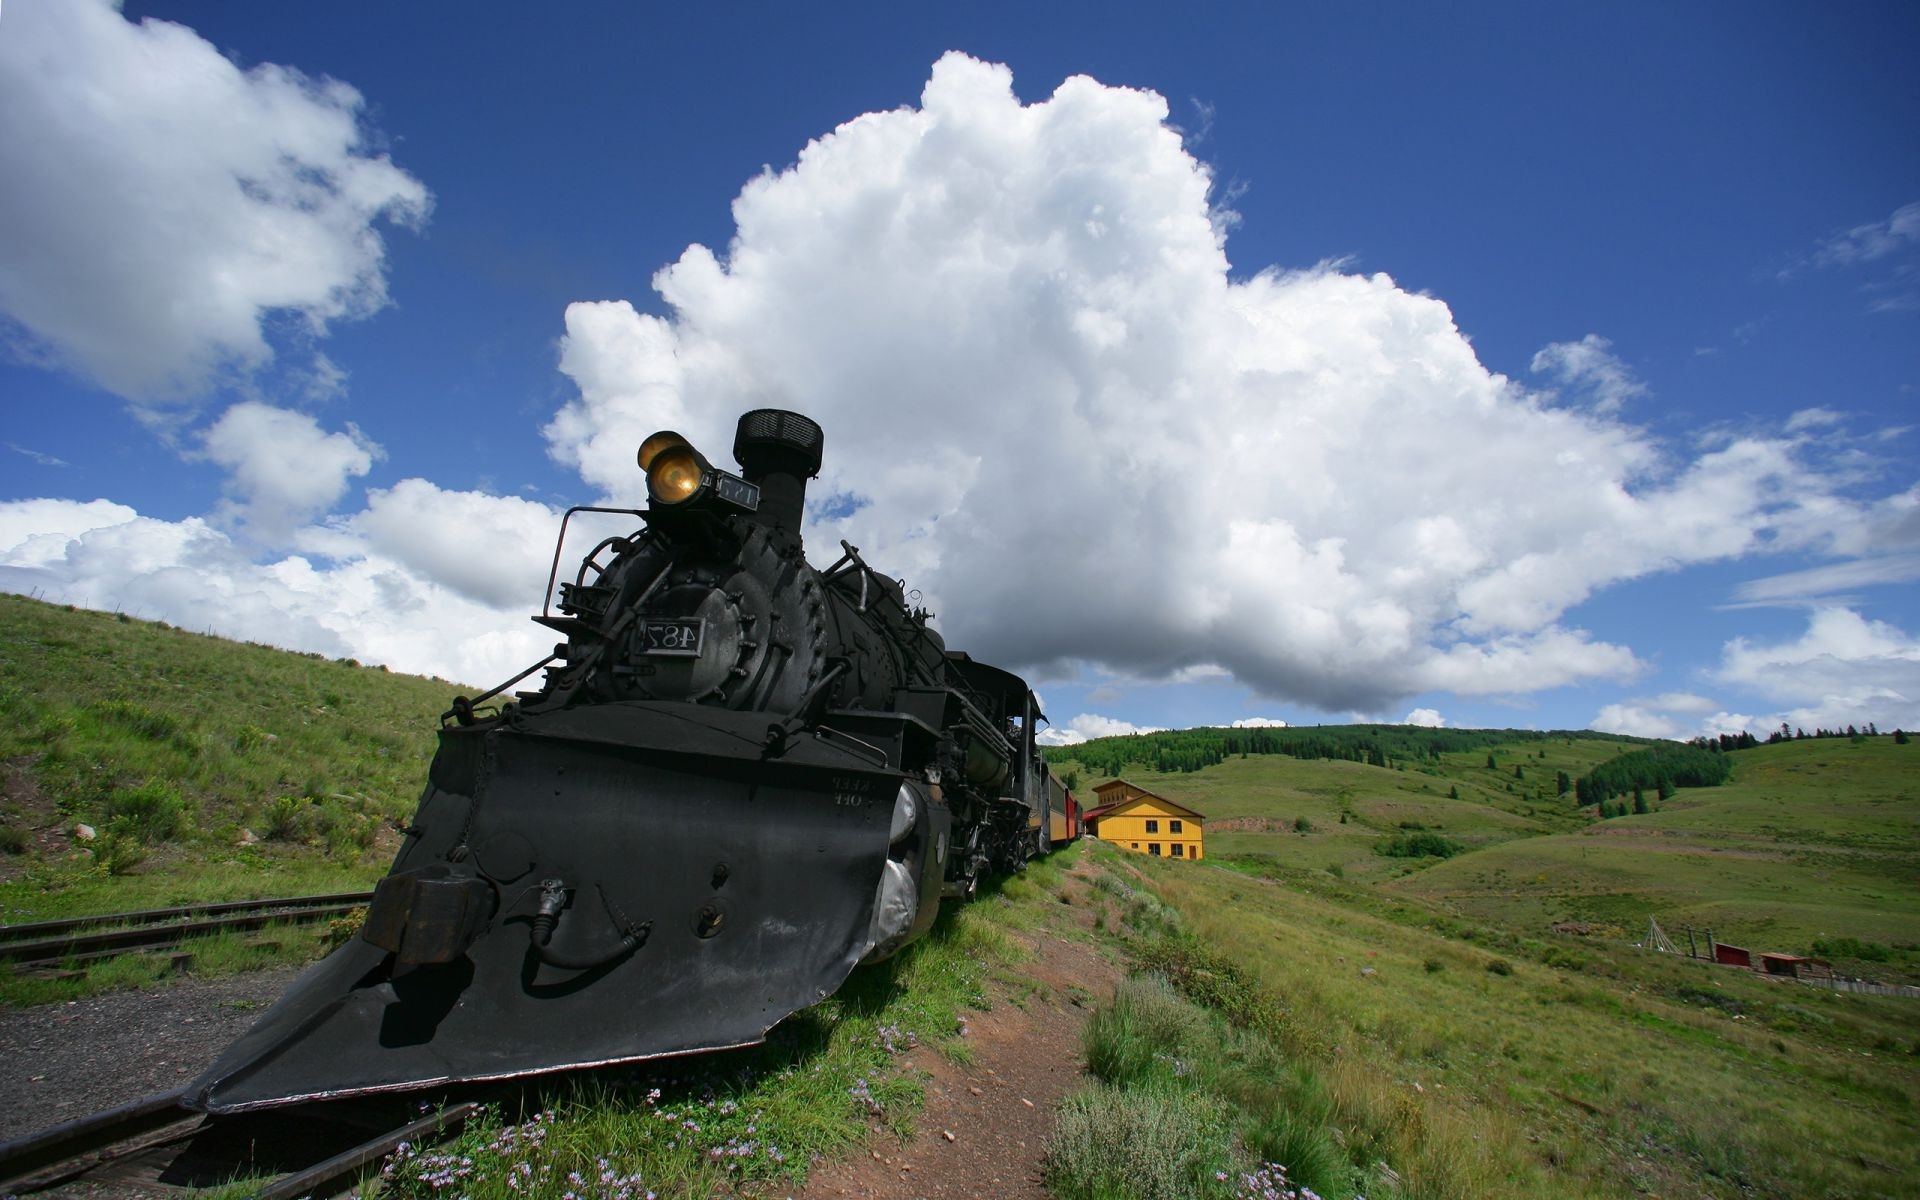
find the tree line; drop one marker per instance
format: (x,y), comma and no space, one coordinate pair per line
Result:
(1182,750)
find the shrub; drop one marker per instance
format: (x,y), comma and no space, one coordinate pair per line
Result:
(1499,966)
(1418,845)
(1302,825)
(13,840)
(116,853)
(288,819)
(1312,1159)
(1145,1031)
(1158,1143)
(150,813)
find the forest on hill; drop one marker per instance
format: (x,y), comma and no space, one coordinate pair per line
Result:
(1186,750)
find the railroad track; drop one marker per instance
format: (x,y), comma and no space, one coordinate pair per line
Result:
(79,939)
(317,1150)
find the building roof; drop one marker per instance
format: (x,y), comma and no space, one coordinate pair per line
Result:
(1095,814)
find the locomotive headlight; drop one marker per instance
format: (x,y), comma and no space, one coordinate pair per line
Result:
(675,474)
(651,448)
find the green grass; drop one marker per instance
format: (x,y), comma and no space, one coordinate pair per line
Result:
(207,769)
(1472,1061)
(1812,841)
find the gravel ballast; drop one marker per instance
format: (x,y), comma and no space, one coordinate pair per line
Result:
(61,1061)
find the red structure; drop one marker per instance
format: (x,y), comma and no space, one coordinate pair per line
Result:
(1732,956)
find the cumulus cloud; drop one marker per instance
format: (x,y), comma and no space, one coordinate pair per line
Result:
(1426,717)
(368,603)
(1844,670)
(1258,723)
(161,202)
(283,469)
(1590,368)
(1016,319)
(1088,726)
(494,550)
(1638,720)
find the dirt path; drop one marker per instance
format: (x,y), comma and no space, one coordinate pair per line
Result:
(984,1124)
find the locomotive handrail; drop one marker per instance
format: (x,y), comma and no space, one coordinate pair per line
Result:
(559,544)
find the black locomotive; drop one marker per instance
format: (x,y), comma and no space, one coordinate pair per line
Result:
(739,778)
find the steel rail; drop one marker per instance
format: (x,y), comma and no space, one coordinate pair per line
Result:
(77,1148)
(72,1140)
(147,937)
(316,1180)
(151,916)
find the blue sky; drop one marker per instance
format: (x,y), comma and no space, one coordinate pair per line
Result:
(1498,365)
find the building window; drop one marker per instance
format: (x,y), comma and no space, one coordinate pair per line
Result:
(1153,826)
(1136,845)
(1179,850)
(1153,847)
(1173,827)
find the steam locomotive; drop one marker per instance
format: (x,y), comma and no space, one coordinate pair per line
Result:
(739,778)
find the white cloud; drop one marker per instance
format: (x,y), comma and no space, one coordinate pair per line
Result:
(1015,319)
(495,550)
(1258,723)
(1816,583)
(1088,726)
(1590,368)
(1427,717)
(1637,721)
(1871,241)
(1813,418)
(365,605)
(43,459)
(161,203)
(1682,702)
(282,468)
(1844,670)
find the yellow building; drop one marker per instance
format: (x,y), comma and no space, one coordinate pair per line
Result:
(1135,819)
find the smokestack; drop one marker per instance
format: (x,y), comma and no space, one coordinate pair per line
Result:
(779,451)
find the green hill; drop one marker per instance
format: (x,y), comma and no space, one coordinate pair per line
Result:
(1388,1025)
(1331,813)
(1813,847)
(208,769)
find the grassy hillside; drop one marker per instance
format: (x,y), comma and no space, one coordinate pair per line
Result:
(1382,1026)
(208,769)
(1418,1054)
(1814,846)
(1255,805)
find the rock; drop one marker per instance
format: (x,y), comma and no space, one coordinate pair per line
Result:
(248,837)
(83,833)
(1366,971)
(947,1134)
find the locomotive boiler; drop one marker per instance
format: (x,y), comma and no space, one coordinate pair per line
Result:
(738,778)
